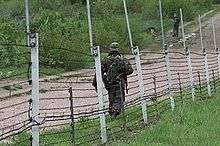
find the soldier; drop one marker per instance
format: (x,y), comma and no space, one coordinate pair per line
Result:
(176,25)
(115,70)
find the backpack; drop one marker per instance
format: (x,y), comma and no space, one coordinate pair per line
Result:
(115,69)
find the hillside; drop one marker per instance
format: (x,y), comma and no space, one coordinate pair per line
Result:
(63,24)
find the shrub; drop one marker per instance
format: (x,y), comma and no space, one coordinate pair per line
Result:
(10,55)
(63,24)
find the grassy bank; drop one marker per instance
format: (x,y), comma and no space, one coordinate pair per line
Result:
(191,124)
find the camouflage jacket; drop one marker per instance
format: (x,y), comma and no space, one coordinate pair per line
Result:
(176,21)
(123,71)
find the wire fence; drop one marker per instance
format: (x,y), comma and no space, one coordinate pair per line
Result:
(69,107)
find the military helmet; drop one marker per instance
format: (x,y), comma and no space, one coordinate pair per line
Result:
(114,47)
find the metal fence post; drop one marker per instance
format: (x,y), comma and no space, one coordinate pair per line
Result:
(207,72)
(187,52)
(72,116)
(33,40)
(167,59)
(140,82)
(96,54)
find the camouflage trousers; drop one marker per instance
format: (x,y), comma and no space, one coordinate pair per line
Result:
(116,99)
(175,30)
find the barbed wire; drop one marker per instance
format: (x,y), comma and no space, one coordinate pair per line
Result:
(178,61)
(153,68)
(160,93)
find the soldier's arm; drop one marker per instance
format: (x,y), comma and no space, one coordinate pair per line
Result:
(94,82)
(104,66)
(128,68)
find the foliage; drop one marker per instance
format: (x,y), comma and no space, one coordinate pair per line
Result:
(63,24)
(10,34)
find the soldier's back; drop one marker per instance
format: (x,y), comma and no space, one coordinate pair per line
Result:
(114,66)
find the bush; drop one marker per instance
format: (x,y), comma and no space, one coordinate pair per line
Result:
(63,24)
(11,34)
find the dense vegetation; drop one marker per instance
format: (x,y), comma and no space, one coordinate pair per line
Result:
(63,23)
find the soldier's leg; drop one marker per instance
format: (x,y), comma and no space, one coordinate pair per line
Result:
(123,94)
(177,31)
(173,32)
(120,98)
(111,100)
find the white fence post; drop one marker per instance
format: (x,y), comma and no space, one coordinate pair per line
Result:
(182,27)
(161,23)
(96,54)
(26,4)
(128,25)
(187,52)
(35,87)
(215,45)
(200,32)
(140,82)
(207,72)
(214,35)
(218,53)
(190,73)
(172,102)
(205,57)
(89,22)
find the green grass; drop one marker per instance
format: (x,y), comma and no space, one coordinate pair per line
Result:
(192,124)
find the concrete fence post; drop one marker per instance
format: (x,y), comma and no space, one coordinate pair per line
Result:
(187,52)
(140,82)
(207,72)
(96,55)
(167,59)
(218,53)
(33,43)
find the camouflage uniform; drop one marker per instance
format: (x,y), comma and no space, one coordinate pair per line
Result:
(176,26)
(115,83)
